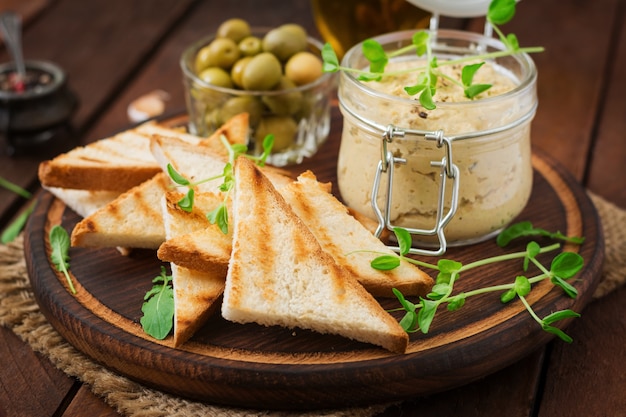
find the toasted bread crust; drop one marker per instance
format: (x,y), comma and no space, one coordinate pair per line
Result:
(102,178)
(116,163)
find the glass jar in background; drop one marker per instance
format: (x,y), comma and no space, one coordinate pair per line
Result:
(347,22)
(489,138)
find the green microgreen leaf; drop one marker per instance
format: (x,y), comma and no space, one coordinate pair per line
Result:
(59,254)
(566,264)
(567,288)
(522,286)
(12,231)
(176,177)
(560,315)
(330,62)
(456,302)
(14,188)
(404,240)
(369,77)
(158,307)
(219,216)
(558,332)
(525,229)
(475,89)
(406,304)
(426,98)
(439,291)
(415,89)
(375,54)
(268,144)
(501,11)
(512,42)
(409,320)
(385,262)
(186,203)
(508,296)
(420,41)
(468,72)
(449,266)
(426,314)
(532,250)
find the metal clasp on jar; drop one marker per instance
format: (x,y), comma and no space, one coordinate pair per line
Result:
(448,171)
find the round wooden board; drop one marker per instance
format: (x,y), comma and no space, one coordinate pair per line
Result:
(274,368)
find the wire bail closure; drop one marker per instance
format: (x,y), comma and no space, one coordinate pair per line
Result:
(448,171)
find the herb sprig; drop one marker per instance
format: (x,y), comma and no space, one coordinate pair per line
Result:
(499,13)
(13,230)
(526,228)
(419,316)
(60,245)
(158,307)
(219,215)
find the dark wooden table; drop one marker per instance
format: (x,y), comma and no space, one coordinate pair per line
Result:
(117,50)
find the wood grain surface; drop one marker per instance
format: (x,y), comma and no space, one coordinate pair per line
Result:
(261,367)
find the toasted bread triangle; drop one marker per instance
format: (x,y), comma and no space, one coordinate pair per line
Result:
(348,241)
(116,163)
(196,294)
(279,274)
(132,220)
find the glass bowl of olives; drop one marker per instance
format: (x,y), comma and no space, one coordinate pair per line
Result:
(273,74)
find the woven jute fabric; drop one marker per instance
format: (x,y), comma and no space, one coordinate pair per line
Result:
(20,313)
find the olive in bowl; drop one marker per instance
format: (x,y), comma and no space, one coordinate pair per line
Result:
(272,74)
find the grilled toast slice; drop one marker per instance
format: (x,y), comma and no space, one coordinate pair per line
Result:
(117,163)
(133,220)
(197,294)
(279,275)
(348,241)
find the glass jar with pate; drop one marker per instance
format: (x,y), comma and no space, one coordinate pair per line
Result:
(453,175)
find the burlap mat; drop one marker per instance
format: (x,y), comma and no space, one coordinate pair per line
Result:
(20,313)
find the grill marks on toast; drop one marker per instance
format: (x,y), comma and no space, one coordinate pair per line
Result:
(302,286)
(115,164)
(348,241)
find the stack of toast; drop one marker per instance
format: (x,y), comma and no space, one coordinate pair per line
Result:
(293,255)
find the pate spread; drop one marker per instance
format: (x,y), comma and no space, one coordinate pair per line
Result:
(495,170)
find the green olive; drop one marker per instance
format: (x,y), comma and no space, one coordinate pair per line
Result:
(285,103)
(235,29)
(216,76)
(284,41)
(236,72)
(223,53)
(262,73)
(250,46)
(303,68)
(284,129)
(295,29)
(241,104)
(202,59)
